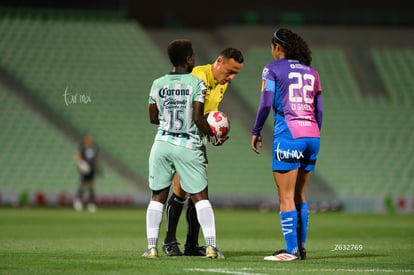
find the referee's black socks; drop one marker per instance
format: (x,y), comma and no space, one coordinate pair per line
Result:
(173,211)
(193,227)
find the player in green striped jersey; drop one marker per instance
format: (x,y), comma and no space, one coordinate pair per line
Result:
(176,105)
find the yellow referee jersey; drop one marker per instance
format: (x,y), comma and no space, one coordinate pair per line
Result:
(215,91)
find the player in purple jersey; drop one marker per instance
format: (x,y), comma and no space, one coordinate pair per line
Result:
(291,87)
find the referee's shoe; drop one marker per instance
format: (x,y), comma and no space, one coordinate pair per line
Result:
(172,249)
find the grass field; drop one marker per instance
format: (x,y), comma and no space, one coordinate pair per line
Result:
(111,241)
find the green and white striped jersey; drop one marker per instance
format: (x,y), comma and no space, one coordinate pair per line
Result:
(174,94)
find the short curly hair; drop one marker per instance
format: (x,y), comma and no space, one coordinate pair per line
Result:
(179,50)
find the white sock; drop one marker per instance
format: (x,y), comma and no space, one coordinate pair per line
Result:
(205,216)
(154,217)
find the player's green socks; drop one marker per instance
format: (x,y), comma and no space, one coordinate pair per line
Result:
(173,212)
(288,221)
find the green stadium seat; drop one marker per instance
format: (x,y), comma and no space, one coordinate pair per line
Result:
(113,60)
(37,157)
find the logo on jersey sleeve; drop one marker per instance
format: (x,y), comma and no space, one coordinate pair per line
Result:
(263,85)
(265,73)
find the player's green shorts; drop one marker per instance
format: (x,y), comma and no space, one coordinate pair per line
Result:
(166,158)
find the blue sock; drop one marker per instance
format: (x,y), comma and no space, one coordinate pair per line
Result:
(303,219)
(288,221)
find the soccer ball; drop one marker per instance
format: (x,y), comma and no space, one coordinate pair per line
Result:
(219,123)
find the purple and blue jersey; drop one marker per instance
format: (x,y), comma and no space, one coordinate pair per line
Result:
(293,91)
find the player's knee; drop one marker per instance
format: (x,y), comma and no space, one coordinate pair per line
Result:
(179,192)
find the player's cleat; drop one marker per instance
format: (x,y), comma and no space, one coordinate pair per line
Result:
(302,252)
(172,249)
(214,252)
(91,207)
(77,205)
(194,250)
(151,252)
(282,255)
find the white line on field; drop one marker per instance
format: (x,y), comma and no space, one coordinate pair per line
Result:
(253,271)
(224,271)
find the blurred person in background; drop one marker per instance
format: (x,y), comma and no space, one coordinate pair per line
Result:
(176,105)
(86,159)
(292,88)
(217,77)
